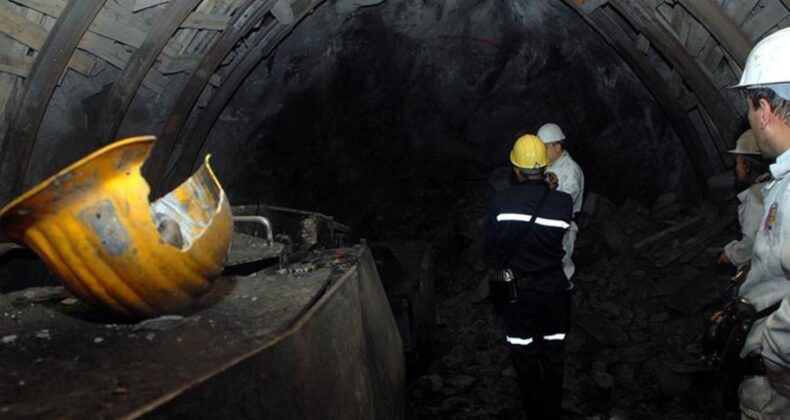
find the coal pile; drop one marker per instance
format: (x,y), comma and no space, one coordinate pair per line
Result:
(634,350)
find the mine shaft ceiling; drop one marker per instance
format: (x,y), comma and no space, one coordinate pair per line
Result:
(190,57)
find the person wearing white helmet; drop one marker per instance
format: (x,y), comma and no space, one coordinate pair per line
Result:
(751,170)
(571,181)
(764,392)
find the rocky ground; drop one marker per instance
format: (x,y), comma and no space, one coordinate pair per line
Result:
(634,349)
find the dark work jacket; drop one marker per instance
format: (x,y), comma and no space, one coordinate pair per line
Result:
(506,223)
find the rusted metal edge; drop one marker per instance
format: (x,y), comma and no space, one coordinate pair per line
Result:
(722,27)
(50,64)
(246,17)
(697,76)
(198,132)
(128,82)
(602,22)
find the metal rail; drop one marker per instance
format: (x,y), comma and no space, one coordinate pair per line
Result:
(260,220)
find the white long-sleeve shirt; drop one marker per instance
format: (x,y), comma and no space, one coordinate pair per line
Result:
(571,178)
(768,281)
(750,215)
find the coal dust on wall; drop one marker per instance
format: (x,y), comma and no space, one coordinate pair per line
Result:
(397,111)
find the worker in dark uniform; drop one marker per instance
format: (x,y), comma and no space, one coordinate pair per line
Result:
(524,230)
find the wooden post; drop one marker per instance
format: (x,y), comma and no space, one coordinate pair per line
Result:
(196,135)
(50,64)
(703,163)
(728,121)
(245,19)
(123,90)
(722,27)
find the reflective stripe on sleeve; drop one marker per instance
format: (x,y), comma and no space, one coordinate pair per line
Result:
(519,341)
(559,336)
(516,217)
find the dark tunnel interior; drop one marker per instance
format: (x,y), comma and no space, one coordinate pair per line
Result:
(393,107)
(397,119)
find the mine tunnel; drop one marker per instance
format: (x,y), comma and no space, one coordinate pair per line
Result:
(354,148)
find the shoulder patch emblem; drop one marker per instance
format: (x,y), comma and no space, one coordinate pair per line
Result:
(770,219)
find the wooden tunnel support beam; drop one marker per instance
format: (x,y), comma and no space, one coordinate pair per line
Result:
(34,36)
(722,27)
(198,132)
(27,112)
(727,121)
(702,163)
(128,82)
(246,17)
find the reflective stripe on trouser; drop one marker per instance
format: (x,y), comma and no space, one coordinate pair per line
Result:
(539,373)
(536,328)
(568,242)
(529,340)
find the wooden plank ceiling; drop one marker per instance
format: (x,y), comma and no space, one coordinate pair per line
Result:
(685,52)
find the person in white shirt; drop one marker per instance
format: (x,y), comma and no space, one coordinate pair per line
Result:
(571,181)
(765,394)
(751,170)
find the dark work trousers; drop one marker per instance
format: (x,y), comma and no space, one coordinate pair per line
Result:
(536,326)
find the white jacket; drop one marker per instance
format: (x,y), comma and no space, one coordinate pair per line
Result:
(768,282)
(571,181)
(750,216)
(571,178)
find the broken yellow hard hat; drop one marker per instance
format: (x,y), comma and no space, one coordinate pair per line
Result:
(93,225)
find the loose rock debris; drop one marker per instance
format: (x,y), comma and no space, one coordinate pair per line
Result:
(634,350)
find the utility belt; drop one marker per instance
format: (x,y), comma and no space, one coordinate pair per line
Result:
(727,328)
(503,283)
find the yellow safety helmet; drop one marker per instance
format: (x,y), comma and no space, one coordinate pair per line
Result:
(529,152)
(93,225)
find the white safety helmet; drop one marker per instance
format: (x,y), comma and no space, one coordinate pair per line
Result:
(768,64)
(550,133)
(746,145)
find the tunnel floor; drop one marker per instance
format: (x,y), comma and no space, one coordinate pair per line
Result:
(634,348)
